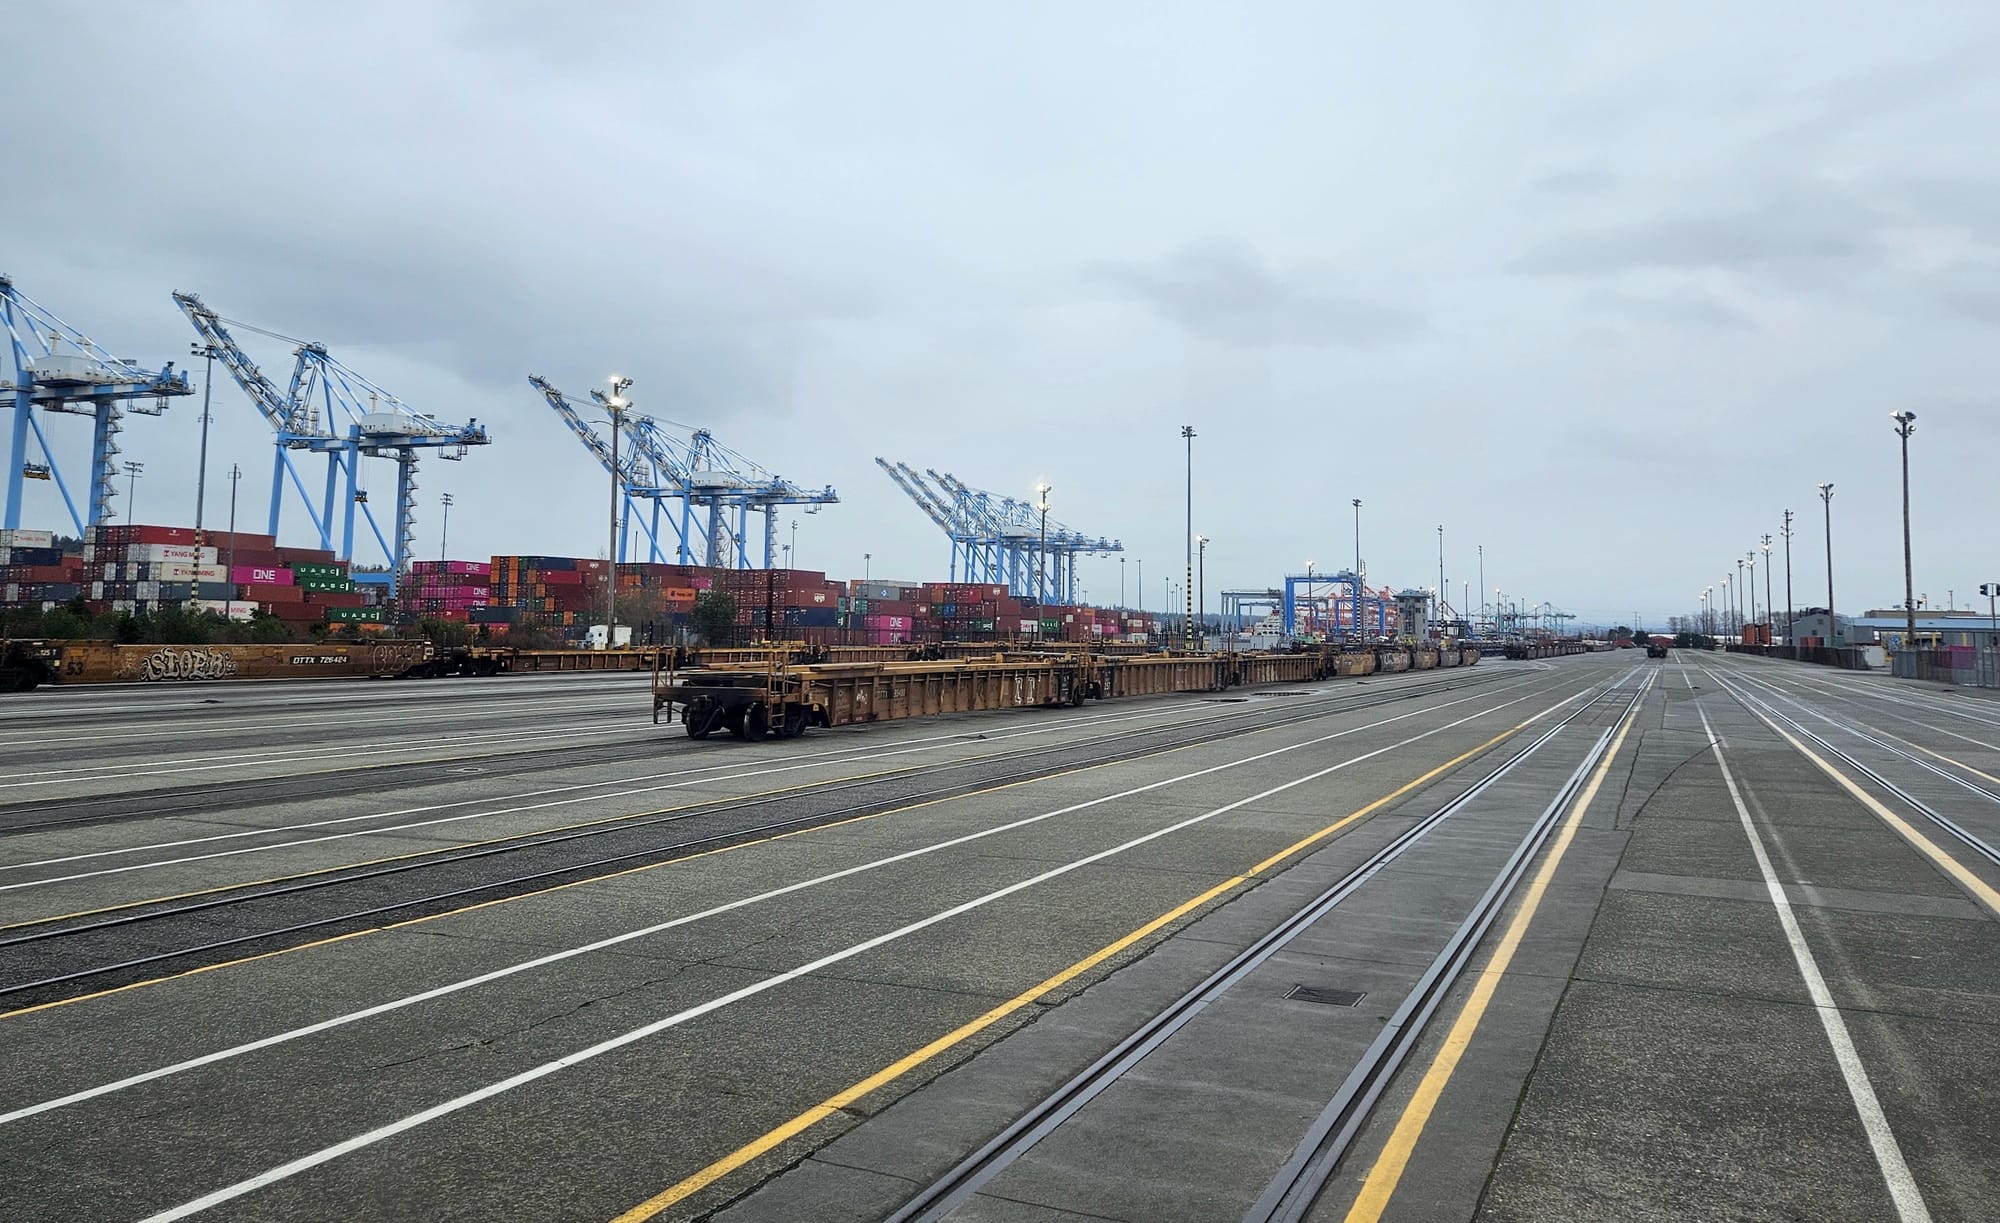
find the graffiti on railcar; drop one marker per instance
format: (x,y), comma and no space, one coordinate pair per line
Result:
(183,663)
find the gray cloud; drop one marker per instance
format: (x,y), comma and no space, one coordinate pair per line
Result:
(1576,180)
(1796,226)
(1691,308)
(1227,293)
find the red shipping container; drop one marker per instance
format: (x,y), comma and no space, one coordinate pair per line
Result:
(271,594)
(260,575)
(560,577)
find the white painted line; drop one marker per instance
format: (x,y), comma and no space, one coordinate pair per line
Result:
(838,756)
(459,1103)
(556,957)
(1896,1175)
(834,756)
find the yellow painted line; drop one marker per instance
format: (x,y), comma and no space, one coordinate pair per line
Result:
(833,1104)
(618,874)
(1395,1156)
(1985,891)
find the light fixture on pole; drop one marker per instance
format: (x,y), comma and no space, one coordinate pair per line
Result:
(1201,588)
(1832,624)
(1790,614)
(1906,424)
(1042,492)
(1187,586)
(209,353)
(132,471)
(867,567)
(228,599)
(617,404)
(1770,608)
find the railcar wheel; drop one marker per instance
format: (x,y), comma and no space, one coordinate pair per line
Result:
(700,717)
(757,723)
(796,718)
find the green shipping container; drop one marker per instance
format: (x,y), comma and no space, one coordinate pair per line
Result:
(302,571)
(328,585)
(1050,625)
(982,626)
(355,615)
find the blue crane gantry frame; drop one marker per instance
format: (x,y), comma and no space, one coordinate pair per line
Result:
(85,382)
(1357,597)
(698,473)
(322,397)
(996,538)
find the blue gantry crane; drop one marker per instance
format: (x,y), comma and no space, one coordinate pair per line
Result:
(329,409)
(1000,539)
(52,367)
(705,491)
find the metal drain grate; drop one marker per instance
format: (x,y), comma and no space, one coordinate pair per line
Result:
(1326,997)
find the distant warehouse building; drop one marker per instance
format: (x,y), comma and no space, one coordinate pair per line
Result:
(1933,629)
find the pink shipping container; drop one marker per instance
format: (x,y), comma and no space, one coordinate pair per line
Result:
(259,575)
(900,624)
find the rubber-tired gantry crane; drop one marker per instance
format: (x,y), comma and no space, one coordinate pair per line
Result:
(705,491)
(329,409)
(1001,539)
(40,377)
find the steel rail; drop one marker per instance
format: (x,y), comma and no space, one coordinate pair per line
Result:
(628,859)
(964,1179)
(1969,838)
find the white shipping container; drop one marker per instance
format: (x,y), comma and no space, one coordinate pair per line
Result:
(236,609)
(153,554)
(175,571)
(23,538)
(97,590)
(146,590)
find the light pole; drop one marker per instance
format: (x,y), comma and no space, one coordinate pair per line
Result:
(229,598)
(1440,586)
(867,567)
(1121,583)
(1187,585)
(617,405)
(1740,619)
(1770,608)
(1201,591)
(1790,615)
(1906,424)
(1832,625)
(1042,549)
(1728,605)
(132,471)
(1992,592)
(208,352)
(1309,595)
(1752,562)
(1482,581)
(788,556)
(793,549)
(444,528)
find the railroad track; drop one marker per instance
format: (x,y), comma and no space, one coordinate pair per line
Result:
(1292,1192)
(272,915)
(1962,834)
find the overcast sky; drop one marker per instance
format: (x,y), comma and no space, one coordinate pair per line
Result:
(1603,293)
